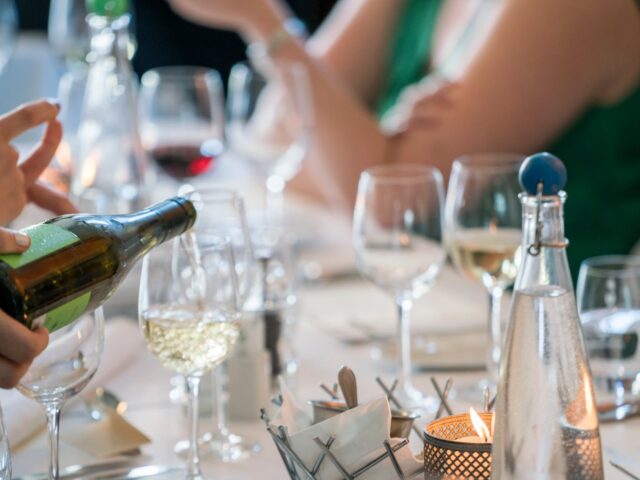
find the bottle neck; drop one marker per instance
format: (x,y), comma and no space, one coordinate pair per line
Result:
(109,38)
(544,244)
(156,224)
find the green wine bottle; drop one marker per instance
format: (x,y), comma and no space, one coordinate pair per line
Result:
(75,262)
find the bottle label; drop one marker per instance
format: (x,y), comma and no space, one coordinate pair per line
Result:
(45,239)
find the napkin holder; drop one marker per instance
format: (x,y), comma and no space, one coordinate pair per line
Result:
(294,464)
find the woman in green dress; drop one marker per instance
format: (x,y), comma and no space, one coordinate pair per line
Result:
(520,76)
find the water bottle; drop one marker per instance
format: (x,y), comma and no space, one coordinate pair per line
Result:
(546,420)
(110,165)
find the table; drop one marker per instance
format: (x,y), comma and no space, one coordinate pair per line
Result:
(145,385)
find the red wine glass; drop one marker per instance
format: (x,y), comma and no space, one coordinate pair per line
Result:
(182,119)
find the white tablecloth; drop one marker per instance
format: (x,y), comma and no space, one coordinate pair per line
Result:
(145,384)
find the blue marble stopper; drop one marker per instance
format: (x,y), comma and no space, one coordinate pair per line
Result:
(545,168)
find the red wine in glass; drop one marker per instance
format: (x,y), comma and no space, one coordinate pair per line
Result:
(185,160)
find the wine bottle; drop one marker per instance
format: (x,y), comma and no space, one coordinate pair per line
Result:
(75,262)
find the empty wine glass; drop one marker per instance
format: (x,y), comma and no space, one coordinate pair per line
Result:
(609,304)
(397,232)
(62,370)
(222,212)
(270,117)
(8,27)
(68,32)
(182,119)
(483,219)
(188,312)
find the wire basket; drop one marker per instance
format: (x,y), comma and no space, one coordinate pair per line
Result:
(444,458)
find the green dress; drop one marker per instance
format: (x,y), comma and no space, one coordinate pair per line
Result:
(601,149)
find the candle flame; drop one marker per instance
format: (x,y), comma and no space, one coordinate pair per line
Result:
(479,426)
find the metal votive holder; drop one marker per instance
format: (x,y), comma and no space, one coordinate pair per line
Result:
(444,458)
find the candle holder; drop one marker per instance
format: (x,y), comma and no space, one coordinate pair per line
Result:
(445,458)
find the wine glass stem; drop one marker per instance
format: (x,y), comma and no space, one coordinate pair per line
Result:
(193,383)
(404,305)
(495,334)
(275,197)
(221,403)
(52,410)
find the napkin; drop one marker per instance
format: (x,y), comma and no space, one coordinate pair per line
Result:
(24,417)
(359,438)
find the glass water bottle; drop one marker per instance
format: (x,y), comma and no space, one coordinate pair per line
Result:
(546,420)
(110,164)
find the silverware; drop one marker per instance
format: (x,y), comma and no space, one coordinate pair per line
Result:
(102,399)
(624,470)
(79,471)
(348,386)
(613,413)
(122,473)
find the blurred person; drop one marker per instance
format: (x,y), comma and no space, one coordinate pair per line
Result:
(20,184)
(557,75)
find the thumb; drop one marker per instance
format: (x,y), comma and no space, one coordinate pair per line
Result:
(12,241)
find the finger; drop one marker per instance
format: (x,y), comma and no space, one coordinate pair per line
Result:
(11,372)
(19,344)
(39,159)
(50,199)
(27,116)
(9,156)
(12,241)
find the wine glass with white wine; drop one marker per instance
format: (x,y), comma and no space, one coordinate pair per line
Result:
(188,313)
(222,212)
(397,233)
(483,232)
(63,369)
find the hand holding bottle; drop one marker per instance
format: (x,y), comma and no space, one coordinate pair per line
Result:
(19,182)
(18,347)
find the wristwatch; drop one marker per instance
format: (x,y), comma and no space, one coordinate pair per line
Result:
(291,28)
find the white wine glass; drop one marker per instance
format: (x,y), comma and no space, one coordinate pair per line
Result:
(181,114)
(62,370)
(397,233)
(222,212)
(270,118)
(483,233)
(188,313)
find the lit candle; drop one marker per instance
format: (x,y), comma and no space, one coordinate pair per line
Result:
(483,433)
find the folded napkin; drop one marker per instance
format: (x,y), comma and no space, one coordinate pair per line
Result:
(359,438)
(24,417)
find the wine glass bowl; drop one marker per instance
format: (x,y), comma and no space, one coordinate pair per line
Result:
(64,369)
(182,119)
(608,294)
(269,122)
(8,28)
(397,230)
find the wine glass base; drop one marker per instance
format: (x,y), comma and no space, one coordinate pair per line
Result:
(228,447)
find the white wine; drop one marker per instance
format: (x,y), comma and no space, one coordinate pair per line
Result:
(489,256)
(188,341)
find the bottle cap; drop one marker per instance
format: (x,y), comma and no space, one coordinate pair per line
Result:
(108,8)
(543,168)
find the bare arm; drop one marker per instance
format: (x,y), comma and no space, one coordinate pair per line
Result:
(543,64)
(354,42)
